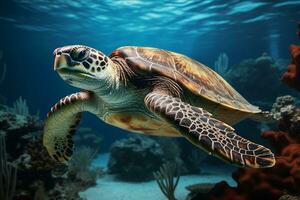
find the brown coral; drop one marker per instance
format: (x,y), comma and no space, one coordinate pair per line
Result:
(40,159)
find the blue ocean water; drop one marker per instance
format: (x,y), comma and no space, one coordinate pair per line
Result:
(31,29)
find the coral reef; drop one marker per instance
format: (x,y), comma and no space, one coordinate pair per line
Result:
(8,173)
(289,197)
(18,129)
(39,176)
(20,107)
(25,150)
(288,115)
(79,167)
(284,177)
(78,177)
(253,75)
(292,76)
(269,183)
(148,154)
(282,106)
(135,158)
(167,178)
(38,158)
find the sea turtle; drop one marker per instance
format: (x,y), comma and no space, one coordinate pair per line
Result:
(153,92)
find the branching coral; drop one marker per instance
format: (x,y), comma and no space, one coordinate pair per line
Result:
(8,173)
(79,167)
(167,179)
(20,107)
(81,159)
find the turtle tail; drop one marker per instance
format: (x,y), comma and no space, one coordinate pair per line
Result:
(60,125)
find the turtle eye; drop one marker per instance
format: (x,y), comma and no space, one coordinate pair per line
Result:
(79,54)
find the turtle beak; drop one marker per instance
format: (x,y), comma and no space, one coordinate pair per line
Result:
(57,58)
(61,60)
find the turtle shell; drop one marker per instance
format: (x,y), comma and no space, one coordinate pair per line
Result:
(195,76)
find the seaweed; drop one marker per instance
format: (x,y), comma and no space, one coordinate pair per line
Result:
(20,107)
(81,159)
(79,168)
(167,179)
(8,173)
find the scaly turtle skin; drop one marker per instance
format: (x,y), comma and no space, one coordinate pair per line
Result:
(153,92)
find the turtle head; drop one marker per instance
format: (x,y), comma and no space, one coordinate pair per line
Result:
(83,67)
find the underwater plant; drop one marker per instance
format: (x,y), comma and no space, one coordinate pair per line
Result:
(8,173)
(221,65)
(79,176)
(20,107)
(82,159)
(167,179)
(79,166)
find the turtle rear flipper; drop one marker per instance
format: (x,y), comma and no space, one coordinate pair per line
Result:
(216,137)
(60,125)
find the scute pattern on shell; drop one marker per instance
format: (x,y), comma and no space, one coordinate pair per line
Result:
(196,77)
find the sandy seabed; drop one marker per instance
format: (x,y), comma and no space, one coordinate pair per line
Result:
(110,188)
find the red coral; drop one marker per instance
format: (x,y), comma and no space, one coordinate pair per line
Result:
(271,183)
(292,76)
(267,183)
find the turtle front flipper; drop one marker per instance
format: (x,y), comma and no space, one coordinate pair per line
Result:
(216,137)
(61,122)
